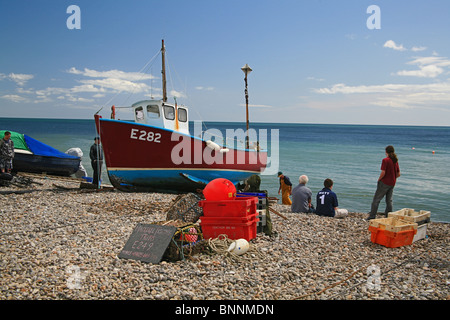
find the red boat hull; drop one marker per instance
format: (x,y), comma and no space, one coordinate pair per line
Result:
(147,158)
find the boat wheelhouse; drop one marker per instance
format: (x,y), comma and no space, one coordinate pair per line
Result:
(162,115)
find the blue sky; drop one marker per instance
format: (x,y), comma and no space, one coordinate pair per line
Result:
(312,61)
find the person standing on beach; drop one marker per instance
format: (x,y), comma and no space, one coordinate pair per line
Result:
(96,155)
(390,171)
(6,153)
(301,197)
(327,202)
(285,188)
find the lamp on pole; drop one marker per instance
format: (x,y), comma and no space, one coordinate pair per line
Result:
(246,69)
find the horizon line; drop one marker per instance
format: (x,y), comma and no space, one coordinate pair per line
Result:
(255,122)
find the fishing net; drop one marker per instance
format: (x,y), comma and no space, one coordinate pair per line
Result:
(185,208)
(186,242)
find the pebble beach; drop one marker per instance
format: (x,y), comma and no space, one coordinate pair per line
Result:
(60,242)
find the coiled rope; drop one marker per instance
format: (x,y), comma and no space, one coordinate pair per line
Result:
(221,244)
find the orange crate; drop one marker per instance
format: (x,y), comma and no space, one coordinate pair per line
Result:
(392,239)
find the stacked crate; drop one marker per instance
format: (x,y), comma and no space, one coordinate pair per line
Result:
(422,218)
(392,232)
(262,207)
(236,218)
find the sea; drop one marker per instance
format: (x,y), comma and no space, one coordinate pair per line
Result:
(350,155)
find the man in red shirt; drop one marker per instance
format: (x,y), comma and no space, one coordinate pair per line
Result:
(390,171)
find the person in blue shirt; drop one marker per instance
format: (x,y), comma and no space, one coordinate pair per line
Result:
(327,202)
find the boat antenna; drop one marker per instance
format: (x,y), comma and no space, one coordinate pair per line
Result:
(98,111)
(151,84)
(163,71)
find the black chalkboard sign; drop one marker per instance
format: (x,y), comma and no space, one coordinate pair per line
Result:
(148,242)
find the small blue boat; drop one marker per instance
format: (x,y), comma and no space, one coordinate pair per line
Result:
(33,156)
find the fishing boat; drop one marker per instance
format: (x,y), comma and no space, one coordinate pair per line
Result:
(156,151)
(33,156)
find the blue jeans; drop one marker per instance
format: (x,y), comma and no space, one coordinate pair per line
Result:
(383,190)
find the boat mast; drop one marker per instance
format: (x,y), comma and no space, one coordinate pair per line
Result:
(163,71)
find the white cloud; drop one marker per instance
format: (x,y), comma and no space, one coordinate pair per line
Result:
(344,89)
(426,96)
(386,88)
(396,95)
(25,91)
(439,61)
(115,74)
(315,79)
(114,84)
(204,88)
(98,83)
(14,98)
(111,81)
(429,67)
(42,99)
(176,94)
(430,71)
(392,45)
(72,98)
(87,88)
(90,85)
(415,49)
(52,91)
(19,78)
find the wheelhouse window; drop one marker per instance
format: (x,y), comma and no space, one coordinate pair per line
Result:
(169,112)
(139,113)
(152,112)
(182,115)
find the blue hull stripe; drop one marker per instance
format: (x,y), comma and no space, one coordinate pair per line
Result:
(156,176)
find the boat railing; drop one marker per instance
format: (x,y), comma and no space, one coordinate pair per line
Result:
(228,142)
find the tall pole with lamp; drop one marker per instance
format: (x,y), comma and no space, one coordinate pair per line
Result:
(246,69)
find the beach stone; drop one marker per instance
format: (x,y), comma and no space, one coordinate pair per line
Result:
(64,244)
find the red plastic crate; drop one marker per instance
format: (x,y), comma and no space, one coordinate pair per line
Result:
(392,239)
(234,231)
(240,207)
(229,220)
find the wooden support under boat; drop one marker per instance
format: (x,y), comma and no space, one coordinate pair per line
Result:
(277,213)
(48,176)
(83,183)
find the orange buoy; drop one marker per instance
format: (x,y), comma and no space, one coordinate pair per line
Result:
(219,189)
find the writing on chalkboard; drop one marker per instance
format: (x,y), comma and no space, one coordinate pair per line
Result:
(148,242)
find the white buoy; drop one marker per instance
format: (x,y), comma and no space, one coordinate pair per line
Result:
(239,247)
(212,145)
